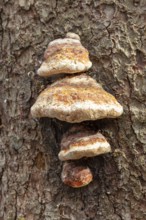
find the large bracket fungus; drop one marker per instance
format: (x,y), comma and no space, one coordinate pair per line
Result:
(74,99)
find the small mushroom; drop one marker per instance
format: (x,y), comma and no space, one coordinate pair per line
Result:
(79,142)
(76,175)
(65,56)
(73,36)
(76,99)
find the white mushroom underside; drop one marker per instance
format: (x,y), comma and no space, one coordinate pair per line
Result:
(78,152)
(63,66)
(88,110)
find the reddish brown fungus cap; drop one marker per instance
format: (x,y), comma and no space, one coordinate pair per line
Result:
(75,99)
(76,175)
(79,142)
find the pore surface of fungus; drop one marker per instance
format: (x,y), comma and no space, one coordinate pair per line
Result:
(79,142)
(76,99)
(65,55)
(76,175)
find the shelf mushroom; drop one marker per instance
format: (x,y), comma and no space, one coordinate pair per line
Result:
(65,55)
(75,174)
(79,142)
(75,99)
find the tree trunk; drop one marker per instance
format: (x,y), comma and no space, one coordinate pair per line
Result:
(114,32)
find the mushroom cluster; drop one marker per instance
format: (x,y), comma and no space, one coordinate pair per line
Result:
(75,99)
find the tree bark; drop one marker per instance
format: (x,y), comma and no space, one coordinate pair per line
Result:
(114,31)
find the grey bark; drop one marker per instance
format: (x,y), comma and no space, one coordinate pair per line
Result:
(114,31)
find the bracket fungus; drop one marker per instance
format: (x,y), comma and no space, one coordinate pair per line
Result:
(75,99)
(79,142)
(76,175)
(65,55)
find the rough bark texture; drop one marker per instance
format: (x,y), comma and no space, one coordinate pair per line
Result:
(114,32)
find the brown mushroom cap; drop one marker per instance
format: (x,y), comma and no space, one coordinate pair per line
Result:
(79,142)
(76,99)
(65,55)
(75,175)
